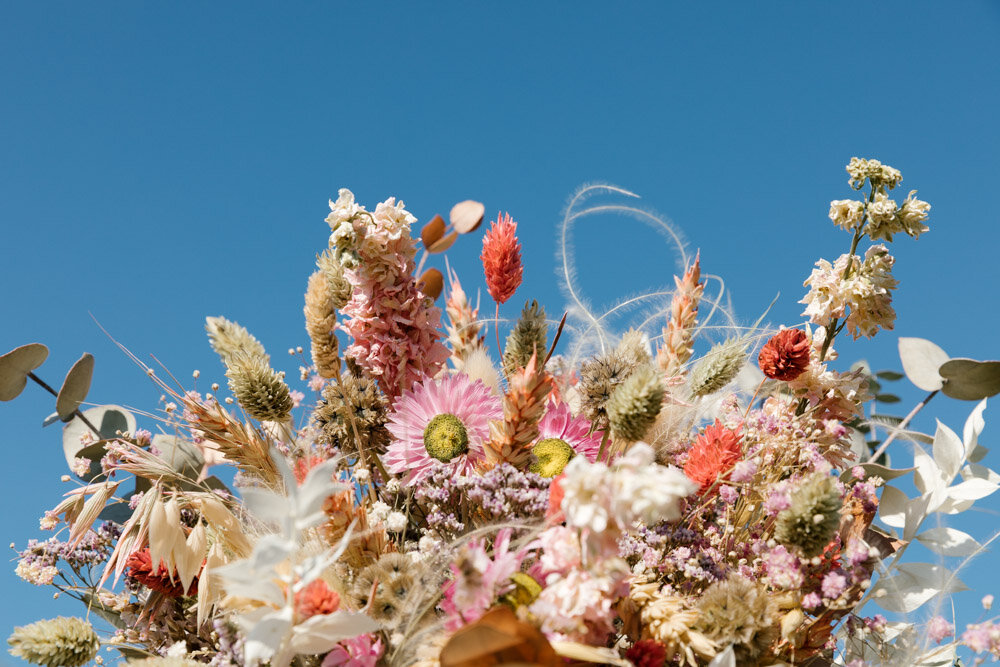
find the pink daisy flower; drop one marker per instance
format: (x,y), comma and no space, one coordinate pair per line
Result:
(446,420)
(562,436)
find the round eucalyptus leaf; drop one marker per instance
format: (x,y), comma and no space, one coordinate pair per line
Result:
(466,216)
(109,420)
(15,366)
(431,283)
(971,380)
(75,386)
(179,454)
(921,360)
(432,231)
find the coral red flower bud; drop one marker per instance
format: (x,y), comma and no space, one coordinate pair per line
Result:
(502,259)
(554,513)
(140,568)
(713,456)
(786,355)
(316,598)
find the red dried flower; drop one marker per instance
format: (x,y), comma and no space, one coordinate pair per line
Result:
(786,355)
(140,568)
(502,259)
(316,598)
(713,455)
(554,513)
(647,653)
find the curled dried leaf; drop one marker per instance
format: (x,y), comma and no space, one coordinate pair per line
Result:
(443,244)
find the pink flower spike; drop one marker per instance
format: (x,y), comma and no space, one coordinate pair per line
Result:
(501,259)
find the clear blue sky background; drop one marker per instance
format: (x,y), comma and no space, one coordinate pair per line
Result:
(164,163)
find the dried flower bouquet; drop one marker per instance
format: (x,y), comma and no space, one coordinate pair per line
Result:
(629,501)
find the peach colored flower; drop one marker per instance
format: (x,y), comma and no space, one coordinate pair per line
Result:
(786,355)
(713,455)
(502,259)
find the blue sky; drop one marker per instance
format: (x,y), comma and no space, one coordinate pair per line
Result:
(163,163)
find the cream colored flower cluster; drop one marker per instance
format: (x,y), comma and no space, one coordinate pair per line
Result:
(859,290)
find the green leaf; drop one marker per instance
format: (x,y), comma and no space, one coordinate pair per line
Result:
(95,605)
(887,398)
(971,380)
(75,386)
(921,360)
(891,376)
(15,366)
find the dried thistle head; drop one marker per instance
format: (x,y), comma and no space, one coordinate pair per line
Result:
(718,367)
(387,589)
(599,377)
(259,389)
(740,612)
(635,403)
(528,337)
(227,338)
(813,517)
(634,346)
(337,284)
(55,642)
(353,402)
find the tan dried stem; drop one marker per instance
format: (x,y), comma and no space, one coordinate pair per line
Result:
(678,335)
(321,318)
(523,405)
(236,441)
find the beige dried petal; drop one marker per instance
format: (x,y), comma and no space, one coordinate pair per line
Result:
(188,559)
(92,509)
(208,586)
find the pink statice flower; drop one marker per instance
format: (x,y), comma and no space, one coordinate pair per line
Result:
(782,568)
(939,629)
(833,585)
(983,637)
(360,651)
(446,420)
(560,424)
(478,580)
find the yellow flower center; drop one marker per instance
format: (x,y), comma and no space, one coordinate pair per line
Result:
(552,455)
(445,437)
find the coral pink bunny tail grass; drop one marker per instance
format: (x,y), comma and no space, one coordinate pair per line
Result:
(501,259)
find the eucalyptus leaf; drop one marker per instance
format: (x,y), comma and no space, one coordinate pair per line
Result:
(75,386)
(887,398)
(181,455)
(51,419)
(921,360)
(970,380)
(117,512)
(15,366)
(876,470)
(891,376)
(95,605)
(109,420)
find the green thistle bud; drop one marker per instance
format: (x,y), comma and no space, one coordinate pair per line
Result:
(339,287)
(551,456)
(527,338)
(718,368)
(634,405)
(56,642)
(445,437)
(260,390)
(227,338)
(813,517)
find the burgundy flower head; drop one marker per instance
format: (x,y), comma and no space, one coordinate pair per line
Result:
(786,355)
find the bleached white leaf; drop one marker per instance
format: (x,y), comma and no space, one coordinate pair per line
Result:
(265,636)
(937,576)
(917,510)
(892,507)
(948,541)
(269,551)
(952,506)
(267,506)
(316,488)
(976,471)
(949,451)
(977,454)
(725,659)
(318,634)
(311,568)
(971,489)
(921,360)
(914,585)
(927,475)
(974,426)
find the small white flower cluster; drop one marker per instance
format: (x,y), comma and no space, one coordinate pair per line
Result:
(634,488)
